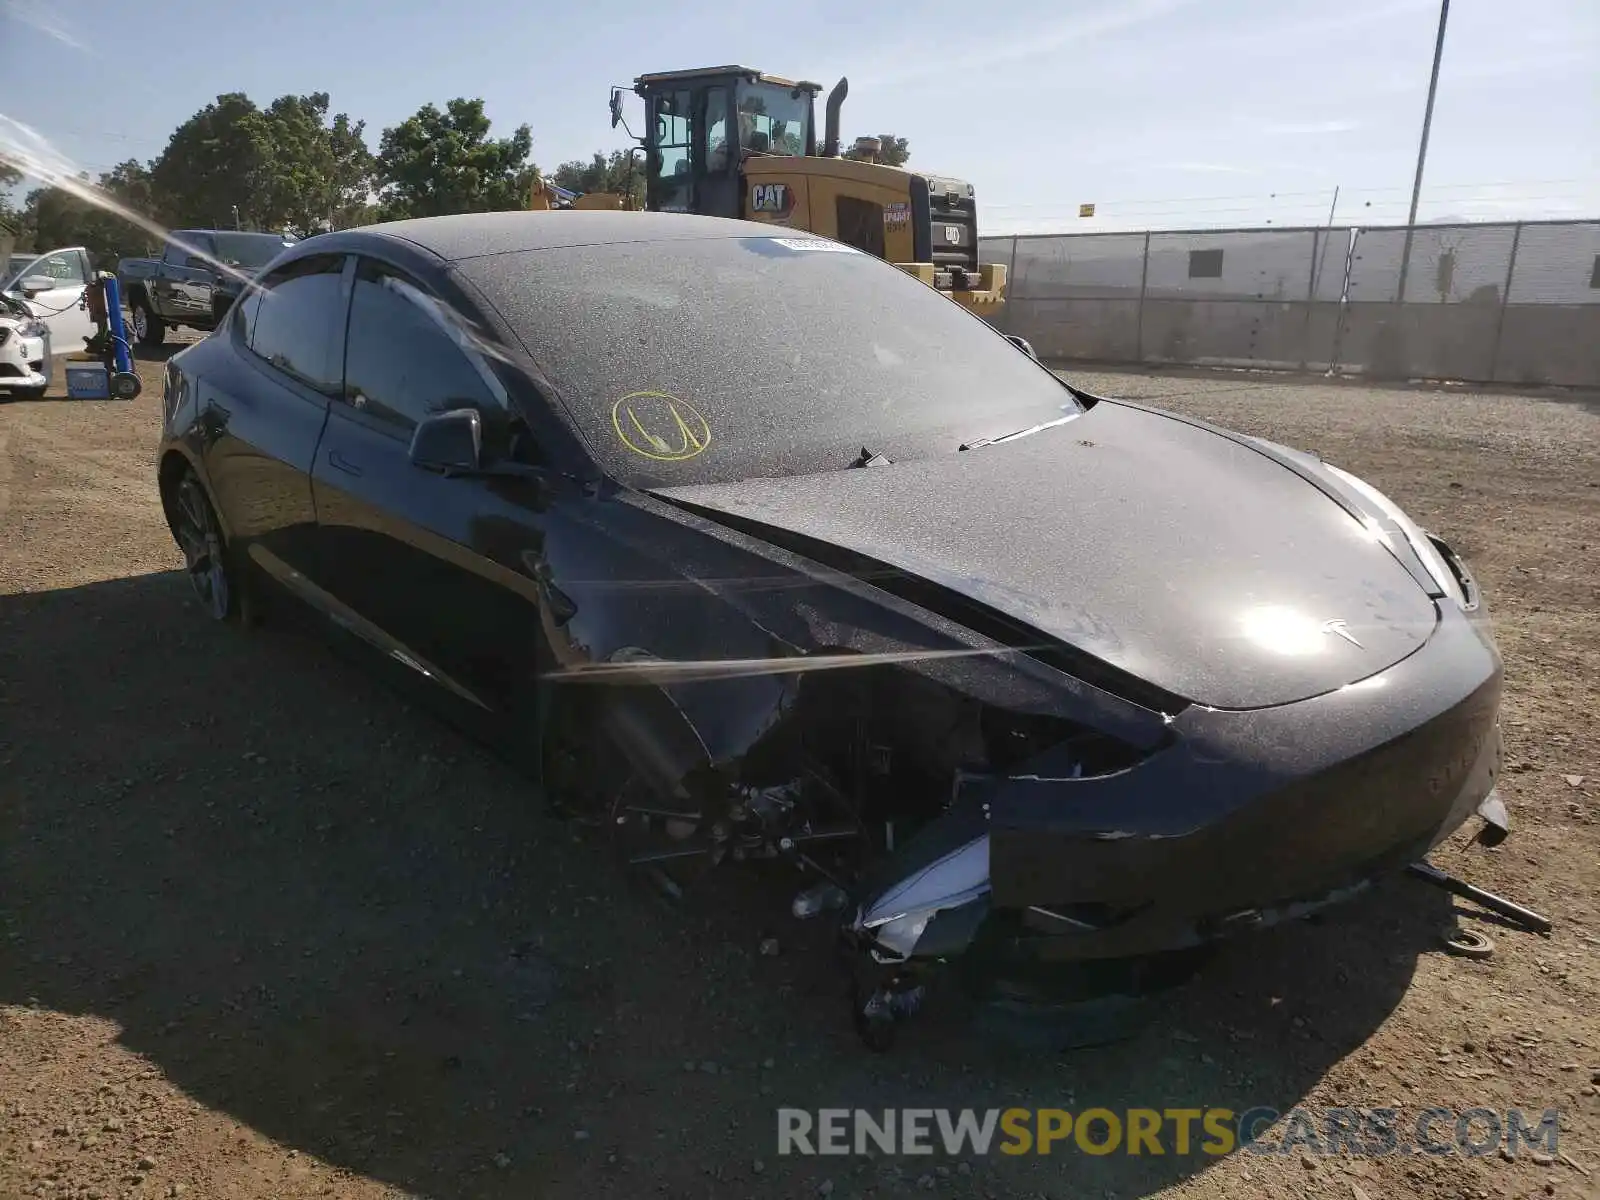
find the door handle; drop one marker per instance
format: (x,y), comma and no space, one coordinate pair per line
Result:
(340,463)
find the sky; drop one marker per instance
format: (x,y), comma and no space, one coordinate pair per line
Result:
(1164,114)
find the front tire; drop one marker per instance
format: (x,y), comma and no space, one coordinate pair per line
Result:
(148,328)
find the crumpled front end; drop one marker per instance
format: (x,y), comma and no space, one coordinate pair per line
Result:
(962,789)
(1240,820)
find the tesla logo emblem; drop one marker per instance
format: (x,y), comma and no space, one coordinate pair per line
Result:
(1339,629)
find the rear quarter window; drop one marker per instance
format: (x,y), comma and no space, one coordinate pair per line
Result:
(299,320)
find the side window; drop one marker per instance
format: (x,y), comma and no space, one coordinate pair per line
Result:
(718,151)
(65,268)
(299,320)
(400,365)
(175,255)
(203,244)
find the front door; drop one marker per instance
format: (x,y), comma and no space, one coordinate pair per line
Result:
(669,159)
(438,572)
(694,156)
(717,185)
(63,305)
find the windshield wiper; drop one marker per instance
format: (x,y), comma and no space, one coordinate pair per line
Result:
(978,443)
(868,459)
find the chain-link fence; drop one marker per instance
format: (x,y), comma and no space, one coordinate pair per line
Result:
(1514,303)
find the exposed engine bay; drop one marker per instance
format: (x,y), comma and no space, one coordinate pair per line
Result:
(858,765)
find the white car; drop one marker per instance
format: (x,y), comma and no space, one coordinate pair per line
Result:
(25,350)
(44,314)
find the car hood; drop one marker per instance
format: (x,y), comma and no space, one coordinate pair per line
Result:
(1194,561)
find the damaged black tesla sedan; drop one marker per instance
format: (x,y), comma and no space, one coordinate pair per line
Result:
(756,547)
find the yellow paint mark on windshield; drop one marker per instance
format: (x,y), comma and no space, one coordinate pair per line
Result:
(660,425)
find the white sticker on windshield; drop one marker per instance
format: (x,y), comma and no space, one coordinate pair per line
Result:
(816,244)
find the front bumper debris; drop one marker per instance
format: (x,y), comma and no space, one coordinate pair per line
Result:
(1046,875)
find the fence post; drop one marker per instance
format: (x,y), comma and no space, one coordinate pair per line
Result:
(1505,299)
(1354,239)
(1138,322)
(1311,301)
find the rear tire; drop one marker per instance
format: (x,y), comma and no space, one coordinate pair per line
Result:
(148,328)
(214,579)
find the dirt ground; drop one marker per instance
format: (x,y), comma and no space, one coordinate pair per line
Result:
(266,932)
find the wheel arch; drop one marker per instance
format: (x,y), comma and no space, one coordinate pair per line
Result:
(169,473)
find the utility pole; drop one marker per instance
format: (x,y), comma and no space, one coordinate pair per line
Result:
(1422,150)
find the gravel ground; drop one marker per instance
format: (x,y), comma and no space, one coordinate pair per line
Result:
(269,933)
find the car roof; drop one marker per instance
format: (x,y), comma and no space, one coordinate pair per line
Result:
(472,235)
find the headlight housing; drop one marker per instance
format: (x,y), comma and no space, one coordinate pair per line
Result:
(1420,543)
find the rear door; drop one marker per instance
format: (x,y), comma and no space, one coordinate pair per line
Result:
(437,571)
(262,413)
(62,306)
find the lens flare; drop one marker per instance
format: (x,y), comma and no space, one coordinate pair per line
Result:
(30,152)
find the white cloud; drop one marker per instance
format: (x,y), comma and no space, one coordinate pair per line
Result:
(26,14)
(1209,168)
(1309,128)
(910,62)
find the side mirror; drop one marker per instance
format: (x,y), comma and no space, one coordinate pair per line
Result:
(451,442)
(1021,343)
(34,284)
(616,107)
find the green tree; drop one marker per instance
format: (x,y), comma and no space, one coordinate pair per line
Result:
(320,174)
(53,217)
(9,178)
(354,174)
(616,172)
(892,151)
(282,167)
(436,162)
(219,160)
(129,184)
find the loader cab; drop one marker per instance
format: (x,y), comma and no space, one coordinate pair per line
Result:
(701,125)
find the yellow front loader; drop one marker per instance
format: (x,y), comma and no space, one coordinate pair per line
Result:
(734,142)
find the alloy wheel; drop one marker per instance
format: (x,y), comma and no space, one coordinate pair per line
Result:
(201,542)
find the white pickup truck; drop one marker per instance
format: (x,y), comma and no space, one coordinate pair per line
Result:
(45,315)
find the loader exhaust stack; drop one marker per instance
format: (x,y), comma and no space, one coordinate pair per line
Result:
(830,143)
